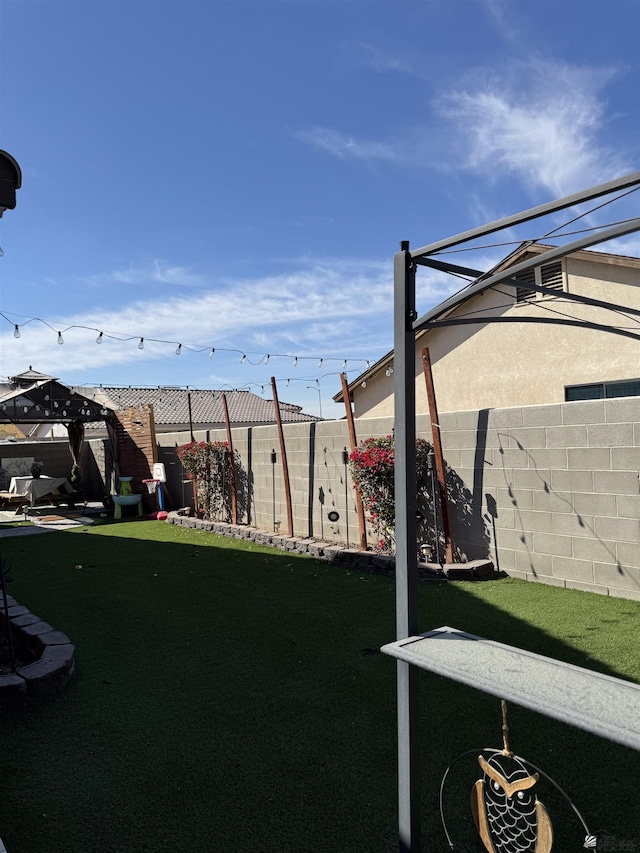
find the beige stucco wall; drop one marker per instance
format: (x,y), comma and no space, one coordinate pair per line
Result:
(501,365)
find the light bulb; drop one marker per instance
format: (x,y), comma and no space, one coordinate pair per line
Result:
(99,338)
(364,384)
(288,381)
(60,338)
(16,331)
(141,344)
(179,349)
(295,361)
(266,358)
(213,349)
(244,358)
(344,364)
(368,365)
(320,362)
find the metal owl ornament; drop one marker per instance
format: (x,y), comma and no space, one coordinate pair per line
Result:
(507,813)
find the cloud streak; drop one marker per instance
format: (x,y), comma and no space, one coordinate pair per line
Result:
(542,127)
(346,147)
(339,308)
(542,122)
(157,271)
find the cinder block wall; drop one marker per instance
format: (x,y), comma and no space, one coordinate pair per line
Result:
(549,493)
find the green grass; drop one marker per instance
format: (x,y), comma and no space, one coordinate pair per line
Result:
(227,699)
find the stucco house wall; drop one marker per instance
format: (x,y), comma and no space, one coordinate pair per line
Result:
(501,365)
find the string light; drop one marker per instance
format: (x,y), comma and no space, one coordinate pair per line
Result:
(121,337)
(344,364)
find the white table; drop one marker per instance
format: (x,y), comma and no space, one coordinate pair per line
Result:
(38,487)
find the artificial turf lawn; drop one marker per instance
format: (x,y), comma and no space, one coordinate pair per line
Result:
(228,697)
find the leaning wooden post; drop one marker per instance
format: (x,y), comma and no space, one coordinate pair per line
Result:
(283,453)
(362,528)
(234,499)
(437,449)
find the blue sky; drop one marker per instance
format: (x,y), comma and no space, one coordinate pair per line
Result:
(238,175)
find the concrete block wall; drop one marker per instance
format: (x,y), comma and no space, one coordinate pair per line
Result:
(558,489)
(549,493)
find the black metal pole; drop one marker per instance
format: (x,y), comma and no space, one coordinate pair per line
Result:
(406,548)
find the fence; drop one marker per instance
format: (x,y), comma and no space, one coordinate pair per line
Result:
(549,493)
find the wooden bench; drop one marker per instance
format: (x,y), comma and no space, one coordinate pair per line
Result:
(9,500)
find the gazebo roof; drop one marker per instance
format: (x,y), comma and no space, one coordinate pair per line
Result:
(36,398)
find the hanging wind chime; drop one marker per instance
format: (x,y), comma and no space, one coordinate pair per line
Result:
(505,807)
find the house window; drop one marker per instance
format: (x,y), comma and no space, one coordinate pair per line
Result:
(549,275)
(600,390)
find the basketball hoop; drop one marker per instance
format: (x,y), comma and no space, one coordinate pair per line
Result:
(151,485)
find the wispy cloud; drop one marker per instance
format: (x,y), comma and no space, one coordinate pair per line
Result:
(154,272)
(543,126)
(500,14)
(329,307)
(345,146)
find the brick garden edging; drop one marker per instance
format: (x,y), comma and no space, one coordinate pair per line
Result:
(53,651)
(369,561)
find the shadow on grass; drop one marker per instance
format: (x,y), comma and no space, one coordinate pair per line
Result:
(227,698)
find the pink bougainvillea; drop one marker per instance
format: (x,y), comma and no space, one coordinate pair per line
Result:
(207,463)
(371,467)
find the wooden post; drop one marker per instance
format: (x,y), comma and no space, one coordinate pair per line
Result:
(437,449)
(234,500)
(362,529)
(283,453)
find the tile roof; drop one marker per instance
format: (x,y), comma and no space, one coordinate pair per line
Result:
(171,406)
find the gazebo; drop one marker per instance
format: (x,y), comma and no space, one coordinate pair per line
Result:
(32,398)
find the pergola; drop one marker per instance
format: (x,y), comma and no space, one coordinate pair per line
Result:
(454,654)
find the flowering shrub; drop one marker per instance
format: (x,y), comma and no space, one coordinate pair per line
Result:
(371,467)
(208,464)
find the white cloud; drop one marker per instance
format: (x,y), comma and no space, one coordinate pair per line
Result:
(327,308)
(155,272)
(543,126)
(343,146)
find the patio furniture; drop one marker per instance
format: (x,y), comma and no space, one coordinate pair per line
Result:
(9,500)
(35,488)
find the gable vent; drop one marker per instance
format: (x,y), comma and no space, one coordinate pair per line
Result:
(527,277)
(551,276)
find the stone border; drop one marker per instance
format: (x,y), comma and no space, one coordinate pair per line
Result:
(368,561)
(54,662)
